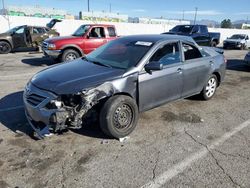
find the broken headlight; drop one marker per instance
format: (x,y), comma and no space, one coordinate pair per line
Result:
(54,104)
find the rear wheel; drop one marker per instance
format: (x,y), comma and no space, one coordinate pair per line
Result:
(70,55)
(119,116)
(210,88)
(5,47)
(213,44)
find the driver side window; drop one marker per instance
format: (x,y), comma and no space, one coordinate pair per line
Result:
(97,32)
(167,55)
(20,30)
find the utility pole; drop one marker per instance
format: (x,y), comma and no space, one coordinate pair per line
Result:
(110,7)
(88,5)
(195,15)
(5,14)
(183,15)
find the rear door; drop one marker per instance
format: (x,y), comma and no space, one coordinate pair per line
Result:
(201,35)
(161,86)
(95,38)
(196,69)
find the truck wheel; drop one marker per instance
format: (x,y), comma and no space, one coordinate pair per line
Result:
(70,55)
(119,116)
(5,47)
(213,44)
(243,47)
(210,88)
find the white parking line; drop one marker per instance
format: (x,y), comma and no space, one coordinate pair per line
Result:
(11,108)
(181,166)
(16,75)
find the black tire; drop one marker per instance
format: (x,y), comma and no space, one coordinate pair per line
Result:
(213,44)
(212,83)
(5,47)
(69,55)
(119,116)
(243,47)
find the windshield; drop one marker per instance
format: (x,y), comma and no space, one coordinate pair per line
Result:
(13,30)
(81,30)
(237,37)
(182,29)
(121,53)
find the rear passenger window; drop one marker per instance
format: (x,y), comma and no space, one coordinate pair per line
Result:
(111,32)
(190,52)
(167,55)
(203,29)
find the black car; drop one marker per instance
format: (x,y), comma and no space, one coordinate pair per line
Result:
(199,33)
(120,79)
(26,36)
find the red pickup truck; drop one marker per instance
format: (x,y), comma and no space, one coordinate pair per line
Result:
(83,41)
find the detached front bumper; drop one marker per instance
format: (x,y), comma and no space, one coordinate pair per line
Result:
(41,119)
(52,53)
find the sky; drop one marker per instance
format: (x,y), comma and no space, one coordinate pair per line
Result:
(170,9)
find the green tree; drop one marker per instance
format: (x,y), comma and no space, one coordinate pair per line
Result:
(226,23)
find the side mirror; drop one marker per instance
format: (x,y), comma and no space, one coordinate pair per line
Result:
(153,66)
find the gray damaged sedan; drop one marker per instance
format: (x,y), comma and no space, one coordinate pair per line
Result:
(120,79)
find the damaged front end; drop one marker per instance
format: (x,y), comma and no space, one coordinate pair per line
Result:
(48,113)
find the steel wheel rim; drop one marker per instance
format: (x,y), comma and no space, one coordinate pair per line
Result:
(211,86)
(123,117)
(70,57)
(4,47)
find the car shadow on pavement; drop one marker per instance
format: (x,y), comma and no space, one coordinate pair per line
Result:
(42,61)
(237,65)
(12,113)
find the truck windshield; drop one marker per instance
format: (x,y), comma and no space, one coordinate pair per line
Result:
(81,30)
(120,53)
(182,29)
(237,37)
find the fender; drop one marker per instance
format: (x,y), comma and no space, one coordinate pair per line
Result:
(73,46)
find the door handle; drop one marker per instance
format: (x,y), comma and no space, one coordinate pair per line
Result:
(179,70)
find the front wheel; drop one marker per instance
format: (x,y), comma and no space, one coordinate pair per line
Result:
(5,47)
(119,116)
(70,55)
(210,88)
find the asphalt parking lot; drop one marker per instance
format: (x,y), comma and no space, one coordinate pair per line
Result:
(188,143)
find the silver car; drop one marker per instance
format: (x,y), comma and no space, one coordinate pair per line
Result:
(120,79)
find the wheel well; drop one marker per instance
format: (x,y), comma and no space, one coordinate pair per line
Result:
(2,40)
(73,48)
(218,77)
(215,40)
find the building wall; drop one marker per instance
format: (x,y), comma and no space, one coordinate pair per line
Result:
(67,27)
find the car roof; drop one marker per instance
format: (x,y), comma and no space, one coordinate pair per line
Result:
(157,38)
(104,25)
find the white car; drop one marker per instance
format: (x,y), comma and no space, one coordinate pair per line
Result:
(240,41)
(247,58)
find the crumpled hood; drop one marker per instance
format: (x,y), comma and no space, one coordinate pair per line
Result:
(65,38)
(235,40)
(73,77)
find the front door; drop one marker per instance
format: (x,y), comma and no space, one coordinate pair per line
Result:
(195,70)
(19,37)
(96,38)
(161,86)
